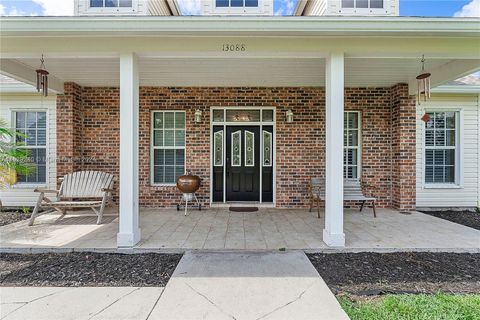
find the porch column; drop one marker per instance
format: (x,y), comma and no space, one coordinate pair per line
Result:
(129,231)
(333,234)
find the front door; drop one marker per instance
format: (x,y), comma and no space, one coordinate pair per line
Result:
(242,163)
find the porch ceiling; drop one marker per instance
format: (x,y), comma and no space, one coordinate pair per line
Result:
(221,72)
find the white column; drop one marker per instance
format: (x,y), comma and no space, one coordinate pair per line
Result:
(129,231)
(333,234)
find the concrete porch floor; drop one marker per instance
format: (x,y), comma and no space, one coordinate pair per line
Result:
(217,228)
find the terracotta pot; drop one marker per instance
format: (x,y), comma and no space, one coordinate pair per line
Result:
(188,183)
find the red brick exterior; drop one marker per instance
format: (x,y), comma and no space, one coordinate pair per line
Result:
(300,145)
(69,130)
(404,147)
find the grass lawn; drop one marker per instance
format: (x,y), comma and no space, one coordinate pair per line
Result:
(412,307)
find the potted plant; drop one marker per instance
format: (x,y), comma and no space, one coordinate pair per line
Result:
(14,159)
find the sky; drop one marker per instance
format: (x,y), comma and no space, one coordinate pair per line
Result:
(427,8)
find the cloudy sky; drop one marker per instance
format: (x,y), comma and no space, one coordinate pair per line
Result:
(438,8)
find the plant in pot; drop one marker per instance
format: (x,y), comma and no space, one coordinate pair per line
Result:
(14,159)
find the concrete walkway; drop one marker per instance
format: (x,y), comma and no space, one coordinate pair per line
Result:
(42,303)
(281,285)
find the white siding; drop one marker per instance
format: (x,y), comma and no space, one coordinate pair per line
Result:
(265,8)
(468,193)
(22,195)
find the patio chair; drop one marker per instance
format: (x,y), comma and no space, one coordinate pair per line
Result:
(316,189)
(352,191)
(82,189)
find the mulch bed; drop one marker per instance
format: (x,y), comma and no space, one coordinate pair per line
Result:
(467,218)
(8,217)
(87,269)
(374,274)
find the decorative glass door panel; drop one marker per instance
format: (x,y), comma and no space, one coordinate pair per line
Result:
(267,163)
(242,164)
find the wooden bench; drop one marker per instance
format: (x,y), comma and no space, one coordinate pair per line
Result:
(82,189)
(352,191)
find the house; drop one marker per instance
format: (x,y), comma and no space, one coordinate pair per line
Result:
(255,105)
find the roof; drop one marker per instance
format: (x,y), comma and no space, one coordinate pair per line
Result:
(467,84)
(470,80)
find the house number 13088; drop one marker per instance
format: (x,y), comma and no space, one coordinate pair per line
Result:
(234,47)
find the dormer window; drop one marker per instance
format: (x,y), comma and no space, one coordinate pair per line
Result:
(362,4)
(236,3)
(111,3)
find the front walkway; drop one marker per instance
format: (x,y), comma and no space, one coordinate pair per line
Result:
(208,285)
(242,285)
(217,228)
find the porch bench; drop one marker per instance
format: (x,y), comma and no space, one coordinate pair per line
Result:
(82,189)
(352,191)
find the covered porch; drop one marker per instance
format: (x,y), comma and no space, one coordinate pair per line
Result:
(286,53)
(166,230)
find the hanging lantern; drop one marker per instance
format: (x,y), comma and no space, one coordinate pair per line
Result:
(42,78)
(423,83)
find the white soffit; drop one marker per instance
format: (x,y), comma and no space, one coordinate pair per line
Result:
(271,72)
(9,85)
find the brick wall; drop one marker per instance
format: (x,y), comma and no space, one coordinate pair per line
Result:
(300,145)
(404,147)
(69,130)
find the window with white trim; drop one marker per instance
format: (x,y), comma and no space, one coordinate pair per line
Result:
(441,147)
(32,126)
(236,3)
(168,146)
(362,4)
(351,145)
(111,3)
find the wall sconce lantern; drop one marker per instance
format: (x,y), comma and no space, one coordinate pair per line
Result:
(289,115)
(198,116)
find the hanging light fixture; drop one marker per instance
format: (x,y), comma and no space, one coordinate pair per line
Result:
(42,78)
(423,82)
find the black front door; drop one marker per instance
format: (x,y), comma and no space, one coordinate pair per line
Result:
(242,163)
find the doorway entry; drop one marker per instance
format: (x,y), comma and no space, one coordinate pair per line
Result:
(243,148)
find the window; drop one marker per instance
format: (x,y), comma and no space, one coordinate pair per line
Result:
(441,147)
(110,3)
(168,140)
(351,143)
(236,3)
(362,4)
(33,126)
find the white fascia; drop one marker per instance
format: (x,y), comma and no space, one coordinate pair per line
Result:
(275,26)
